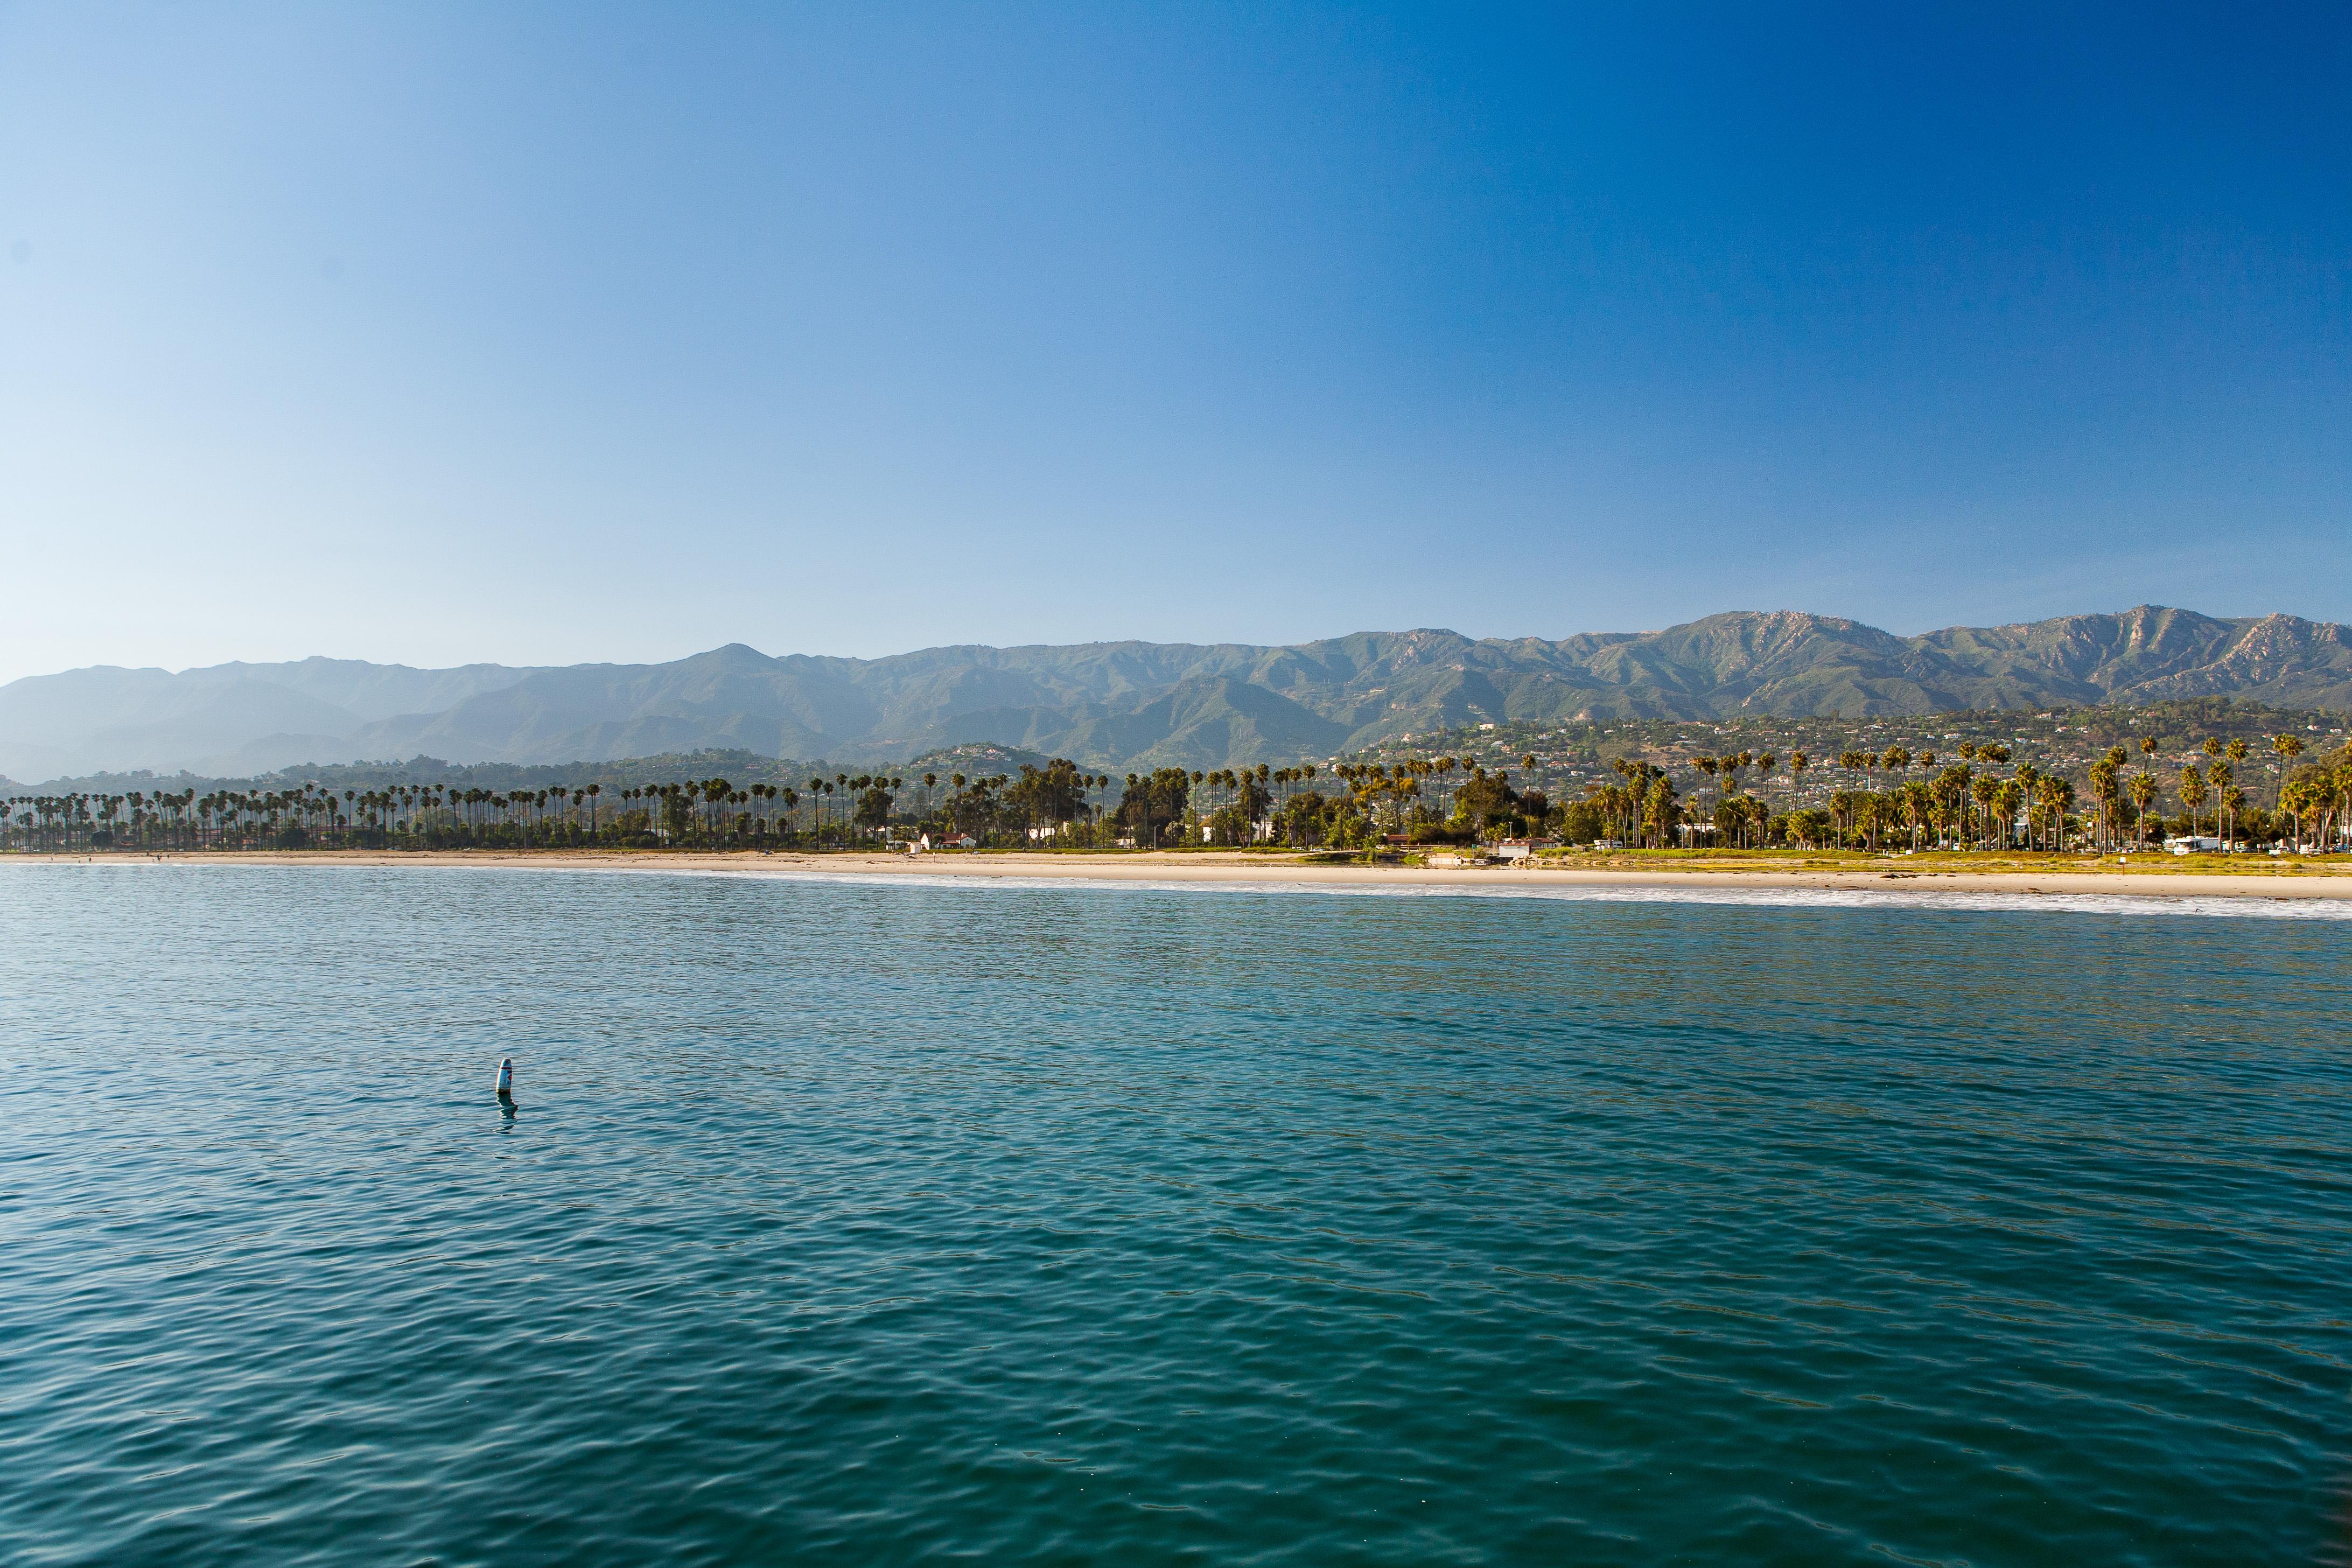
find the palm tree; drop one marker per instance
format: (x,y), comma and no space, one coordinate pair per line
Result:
(2192,795)
(2050,793)
(2107,786)
(2143,796)
(2328,790)
(2293,796)
(2330,787)
(1984,790)
(1658,814)
(2288,748)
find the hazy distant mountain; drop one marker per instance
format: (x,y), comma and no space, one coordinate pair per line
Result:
(1123,705)
(226,718)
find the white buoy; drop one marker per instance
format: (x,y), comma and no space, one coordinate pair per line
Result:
(506,1077)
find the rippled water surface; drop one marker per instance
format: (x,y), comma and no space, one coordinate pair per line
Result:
(902,1223)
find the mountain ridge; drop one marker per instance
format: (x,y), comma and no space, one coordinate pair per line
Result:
(1118,705)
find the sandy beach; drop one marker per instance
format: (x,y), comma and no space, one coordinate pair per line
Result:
(2143,877)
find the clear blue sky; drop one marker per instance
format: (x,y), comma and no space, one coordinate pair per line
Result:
(435,333)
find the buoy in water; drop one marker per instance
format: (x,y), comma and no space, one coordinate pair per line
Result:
(506,1081)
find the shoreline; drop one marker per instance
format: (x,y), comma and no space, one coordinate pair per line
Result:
(2297,884)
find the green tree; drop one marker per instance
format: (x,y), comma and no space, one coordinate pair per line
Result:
(874,805)
(2143,796)
(1048,796)
(1251,799)
(1660,814)
(2288,748)
(1154,803)
(2192,793)
(1485,798)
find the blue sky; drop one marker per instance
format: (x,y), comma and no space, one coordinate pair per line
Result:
(436,333)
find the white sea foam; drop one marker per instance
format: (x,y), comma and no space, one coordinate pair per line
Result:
(1983,900)
(1978,901)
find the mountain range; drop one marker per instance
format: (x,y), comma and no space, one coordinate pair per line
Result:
(1128,705)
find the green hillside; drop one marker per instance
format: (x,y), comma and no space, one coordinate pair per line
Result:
(1116,706)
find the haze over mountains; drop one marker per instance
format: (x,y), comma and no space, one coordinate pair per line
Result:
(1125,705)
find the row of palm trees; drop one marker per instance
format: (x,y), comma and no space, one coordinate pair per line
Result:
(1960,804)
(842,810)
(1966,800)
(424,813)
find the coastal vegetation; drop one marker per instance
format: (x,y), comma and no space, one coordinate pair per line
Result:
(2210,791)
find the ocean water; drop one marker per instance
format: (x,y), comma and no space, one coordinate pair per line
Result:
(890,1223)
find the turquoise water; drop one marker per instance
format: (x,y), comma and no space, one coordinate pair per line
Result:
(898,1224)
